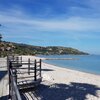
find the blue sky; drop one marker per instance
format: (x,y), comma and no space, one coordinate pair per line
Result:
(69,23)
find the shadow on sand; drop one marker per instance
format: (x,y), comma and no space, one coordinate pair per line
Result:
(2,74)
(73,91)
(4,97)
(46,70)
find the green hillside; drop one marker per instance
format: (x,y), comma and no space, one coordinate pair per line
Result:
(24,49)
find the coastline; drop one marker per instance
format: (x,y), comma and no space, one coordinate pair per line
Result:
(87,77)
(73,69)
(54,67)
(52,75)
(88,64)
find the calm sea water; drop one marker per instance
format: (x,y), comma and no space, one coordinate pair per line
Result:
(85,63)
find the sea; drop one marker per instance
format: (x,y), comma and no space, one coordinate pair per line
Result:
(84,63)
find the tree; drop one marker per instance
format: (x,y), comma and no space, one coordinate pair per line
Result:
(0,37)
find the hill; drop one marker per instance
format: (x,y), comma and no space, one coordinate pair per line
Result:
(24,49)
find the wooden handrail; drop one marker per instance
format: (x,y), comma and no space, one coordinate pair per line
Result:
(15,68)
(14,87)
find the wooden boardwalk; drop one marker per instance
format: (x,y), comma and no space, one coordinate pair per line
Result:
(4,85)
(27,77)
(23,76)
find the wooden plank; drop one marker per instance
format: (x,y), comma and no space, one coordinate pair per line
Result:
(28,83)
(33,79)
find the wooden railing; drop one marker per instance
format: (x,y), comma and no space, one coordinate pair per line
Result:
(14,91)
(16,63)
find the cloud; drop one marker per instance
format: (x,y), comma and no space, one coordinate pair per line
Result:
(72,23)
(53,8)
(16,21)
(54,22)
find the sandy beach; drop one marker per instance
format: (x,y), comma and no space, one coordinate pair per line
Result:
(61,84)
(65,84)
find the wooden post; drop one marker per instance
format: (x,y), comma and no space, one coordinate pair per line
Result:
(17,59)
(13,57)
(40,67)
(15,75)
(35,71)
(29,66)
(9,67)
(21,59)
(10,86)
(8,64)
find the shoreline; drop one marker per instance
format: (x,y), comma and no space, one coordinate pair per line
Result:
(78,75)
(83,67)
(73,69)
(65,84)
(35,57)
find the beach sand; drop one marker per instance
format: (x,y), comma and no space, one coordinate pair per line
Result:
(4,84)
(65,84)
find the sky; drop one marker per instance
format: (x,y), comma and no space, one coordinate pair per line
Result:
(68,23)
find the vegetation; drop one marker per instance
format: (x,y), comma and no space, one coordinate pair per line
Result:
(24,49)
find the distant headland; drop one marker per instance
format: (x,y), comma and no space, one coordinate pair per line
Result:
(25,49)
